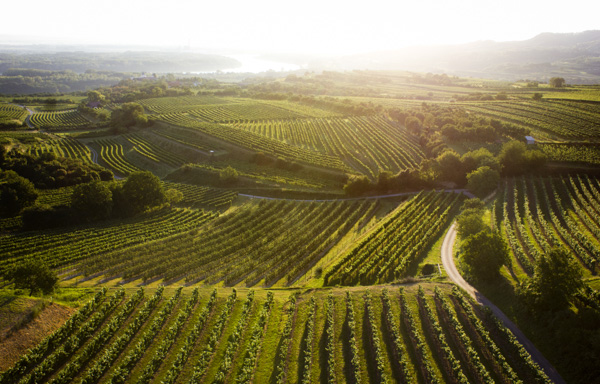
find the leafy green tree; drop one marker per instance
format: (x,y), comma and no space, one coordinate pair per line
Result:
(483,254)
(92,200)
(173,196)
(537,96)
(483,181)
(228,175)
(357,185)
(469,224)
(142,191)
(95,96)
(413,124)
(16,193)
(557,277)
(450,167)
(479,158)
(128,115)
(557,82)
(473,204)
(35,276)
(515,158)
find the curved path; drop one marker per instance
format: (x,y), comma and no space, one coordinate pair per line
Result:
(454,275)
(463,191)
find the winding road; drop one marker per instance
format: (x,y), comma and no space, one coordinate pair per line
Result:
(463,191)
(454,275)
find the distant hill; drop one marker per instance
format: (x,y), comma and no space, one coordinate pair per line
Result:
(130,61)
(574,56)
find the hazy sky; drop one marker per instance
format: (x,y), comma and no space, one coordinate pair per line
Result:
(321,26)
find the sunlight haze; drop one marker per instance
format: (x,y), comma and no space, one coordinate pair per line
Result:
(337,27)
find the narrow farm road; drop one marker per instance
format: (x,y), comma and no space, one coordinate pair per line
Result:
(463,191)
(454,275)
(27,119)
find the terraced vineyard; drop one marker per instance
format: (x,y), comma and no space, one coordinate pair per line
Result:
(256,142)
(386,253)
(153,152)
(191,336)
(9,112)
(367,144)
(58,120)
(535,214)
(113,154)
(62,147)
(67,246)
(186,137)
(257,244)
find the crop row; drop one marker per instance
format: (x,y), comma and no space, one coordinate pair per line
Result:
(547,212)
(12,112)
(367,144)
(388,251)
(203,197)
(229,344)
(260,242)
(62,147)
(153,151)
(186,137)
(179,104)
(256,142)
(70,245)
(113,154)
(63,119)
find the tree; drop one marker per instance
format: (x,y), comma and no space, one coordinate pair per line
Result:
(357,185)
(413,124)
(142,191)
(35,276)
(483,181)
(16,193)
(469,223)
(484,254)
(557,277)
(92,200)
(537,96)
(173,196)
(450,167)
(228,175)
(95,96)
(557,82)
(128,115)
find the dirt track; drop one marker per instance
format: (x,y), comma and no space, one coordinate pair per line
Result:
(454,275)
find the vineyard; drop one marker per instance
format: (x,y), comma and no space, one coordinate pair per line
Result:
(58,120)
(257,244)
(367,144)
(9,113)
(213,109)
(255,142)
(113,154)
(565,119)
(68,246)
(308,210)
(575,153)
(196,196)
(62,147)
(387,253)
(535,214)
(430,334)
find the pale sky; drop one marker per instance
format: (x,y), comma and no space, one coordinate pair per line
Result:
(302,26)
